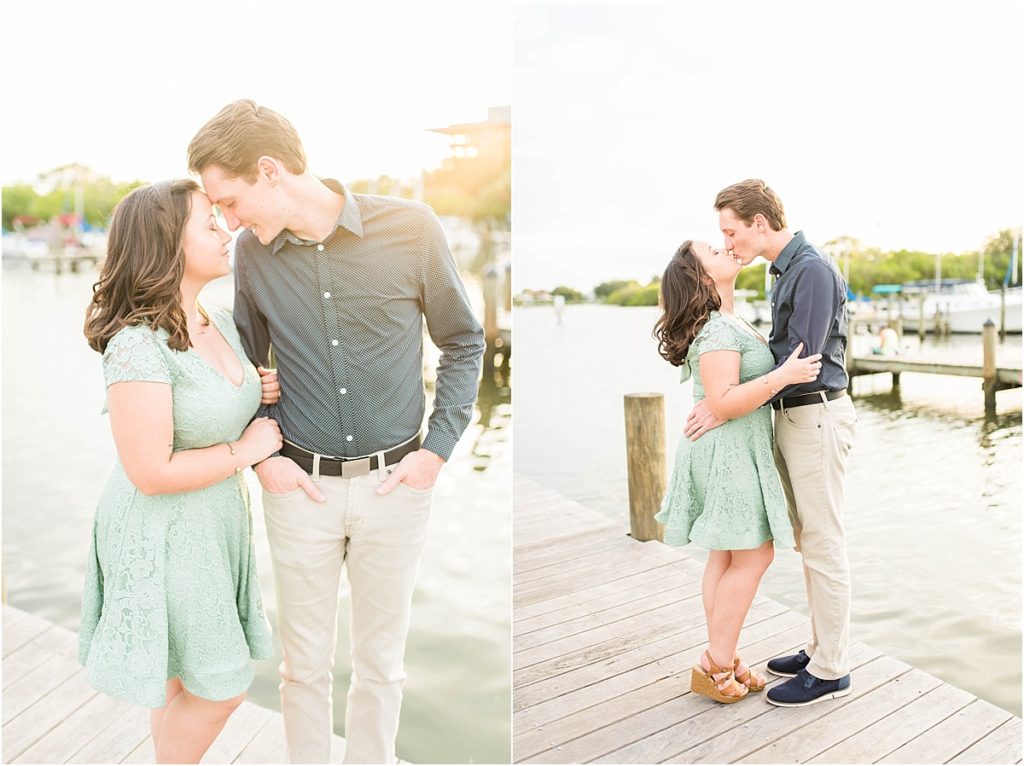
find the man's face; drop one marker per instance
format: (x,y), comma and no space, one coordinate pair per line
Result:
(257,206)
(745,242)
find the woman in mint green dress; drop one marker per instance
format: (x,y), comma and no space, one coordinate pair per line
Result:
(171,613)
(725,493)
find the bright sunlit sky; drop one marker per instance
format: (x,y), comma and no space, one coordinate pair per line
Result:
(122,88)
(898,123)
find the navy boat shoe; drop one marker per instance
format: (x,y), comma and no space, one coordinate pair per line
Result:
(789,665)
(806,689)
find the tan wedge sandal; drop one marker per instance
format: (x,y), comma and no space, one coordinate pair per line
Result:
(718,683)
(754,681)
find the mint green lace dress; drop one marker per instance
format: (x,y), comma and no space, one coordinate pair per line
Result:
(171,587)
(725,492)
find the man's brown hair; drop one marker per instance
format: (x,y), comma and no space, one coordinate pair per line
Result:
(750,197)
(239,135)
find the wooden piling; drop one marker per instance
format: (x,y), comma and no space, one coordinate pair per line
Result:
(920,317)
(988,365)
(645,462)
(1002,314)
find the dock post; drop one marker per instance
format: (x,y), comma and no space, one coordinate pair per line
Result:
(1002,314)
(988,365)
(920,317)
(645,462)
(492,298)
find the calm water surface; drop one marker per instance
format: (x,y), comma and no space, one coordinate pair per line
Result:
(58,453)
(933,508)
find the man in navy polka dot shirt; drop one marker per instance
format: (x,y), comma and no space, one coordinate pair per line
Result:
(339,286)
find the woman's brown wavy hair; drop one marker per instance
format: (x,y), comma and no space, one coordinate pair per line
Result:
(687,298)
(141,276)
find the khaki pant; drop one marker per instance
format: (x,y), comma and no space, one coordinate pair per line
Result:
(379,539)
(812,444)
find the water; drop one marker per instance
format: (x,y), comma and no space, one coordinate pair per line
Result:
(933,509)
(58,452)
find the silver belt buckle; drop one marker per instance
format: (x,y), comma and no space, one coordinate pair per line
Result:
(352,468)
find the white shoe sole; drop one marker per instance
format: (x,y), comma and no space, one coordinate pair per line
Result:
(831,696)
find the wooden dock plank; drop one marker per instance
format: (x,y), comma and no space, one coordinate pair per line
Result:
(576,565)
(238,733)
(587,543)
(602,604)
(622,564)
(557,602)
(879,683)
(82,725)
(114,743)
(602,728)
(21,629)
(601,668)
(52,671)
(560,676)
(629,611)
(1001,746)
(607,688)
(895,730)
(267,746)
(943,742)
(702,720)
(801,737)
(52,715)
(45,714)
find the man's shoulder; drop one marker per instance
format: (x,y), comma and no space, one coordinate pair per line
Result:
(377,210)
(375,206)
(809,259)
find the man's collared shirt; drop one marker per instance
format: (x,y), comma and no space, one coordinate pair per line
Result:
(809,306)
(345,319)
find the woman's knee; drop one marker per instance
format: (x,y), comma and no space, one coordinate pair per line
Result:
(756,558)
(216,708)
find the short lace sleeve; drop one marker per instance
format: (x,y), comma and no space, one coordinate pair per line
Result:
(134,354)
(716,335)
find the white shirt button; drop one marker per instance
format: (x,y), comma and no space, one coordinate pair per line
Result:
(334,343)
(327,295)
(320,248)
(343,390)
(348,438)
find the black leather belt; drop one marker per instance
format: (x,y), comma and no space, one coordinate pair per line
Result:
(348,467)
(802,399)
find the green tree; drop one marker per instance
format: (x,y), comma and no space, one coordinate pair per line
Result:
(570,295)
(58,191)
(603,290)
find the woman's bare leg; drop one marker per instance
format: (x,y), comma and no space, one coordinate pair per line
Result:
(716,565)
(174,688)
(190,725)
(733,596)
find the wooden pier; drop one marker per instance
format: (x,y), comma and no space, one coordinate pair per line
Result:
(993,378)
(606,629)
(51,715)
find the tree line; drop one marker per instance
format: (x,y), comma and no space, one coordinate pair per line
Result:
(867,267)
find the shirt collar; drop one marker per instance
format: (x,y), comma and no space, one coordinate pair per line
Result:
(786,256)
(350,218)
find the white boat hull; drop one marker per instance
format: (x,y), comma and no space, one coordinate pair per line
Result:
(964,317)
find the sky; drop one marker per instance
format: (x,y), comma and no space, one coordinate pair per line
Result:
(122,88)
(897,123)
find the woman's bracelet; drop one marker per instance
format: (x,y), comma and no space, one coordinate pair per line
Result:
(773,391)
(232,448)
